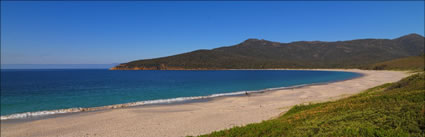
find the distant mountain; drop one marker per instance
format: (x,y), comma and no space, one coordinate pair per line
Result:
(263,54)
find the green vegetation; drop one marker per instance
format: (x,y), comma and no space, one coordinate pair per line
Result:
(395,109)
(262,54)
(407,63)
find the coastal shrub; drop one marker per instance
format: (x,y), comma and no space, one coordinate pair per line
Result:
(395,109)
(412,63)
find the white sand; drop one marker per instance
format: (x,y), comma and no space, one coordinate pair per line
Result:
(194,118)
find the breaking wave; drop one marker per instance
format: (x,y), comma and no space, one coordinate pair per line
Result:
(139,103)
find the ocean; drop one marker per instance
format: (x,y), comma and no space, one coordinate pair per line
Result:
(47,90)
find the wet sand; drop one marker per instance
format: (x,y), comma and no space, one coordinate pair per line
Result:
(194,118)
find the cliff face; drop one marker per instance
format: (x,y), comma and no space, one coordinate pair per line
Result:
(148,67)
(263,54)
(158,67)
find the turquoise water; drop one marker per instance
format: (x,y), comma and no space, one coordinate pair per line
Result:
(39,90)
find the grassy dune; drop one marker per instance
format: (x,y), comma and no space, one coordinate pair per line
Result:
(395,109)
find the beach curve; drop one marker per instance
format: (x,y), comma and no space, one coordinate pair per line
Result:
(195,118)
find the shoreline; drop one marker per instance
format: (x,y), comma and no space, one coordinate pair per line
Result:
(198,117)
(37,115)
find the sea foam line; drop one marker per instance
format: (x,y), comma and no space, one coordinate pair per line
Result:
(139,103)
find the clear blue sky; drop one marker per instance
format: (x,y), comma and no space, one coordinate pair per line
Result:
(116,32)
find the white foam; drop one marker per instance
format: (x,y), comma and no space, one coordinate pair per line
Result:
(39,113)
(139,103)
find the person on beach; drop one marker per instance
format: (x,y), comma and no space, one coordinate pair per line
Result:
(246,93)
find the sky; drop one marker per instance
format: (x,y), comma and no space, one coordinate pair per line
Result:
(77,32)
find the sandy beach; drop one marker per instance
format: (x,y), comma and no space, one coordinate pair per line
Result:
(194,118)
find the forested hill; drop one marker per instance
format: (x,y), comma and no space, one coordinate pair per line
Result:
(263,54)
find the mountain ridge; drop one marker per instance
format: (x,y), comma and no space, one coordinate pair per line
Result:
(263,54)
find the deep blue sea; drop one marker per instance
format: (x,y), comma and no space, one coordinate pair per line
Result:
(51,89)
